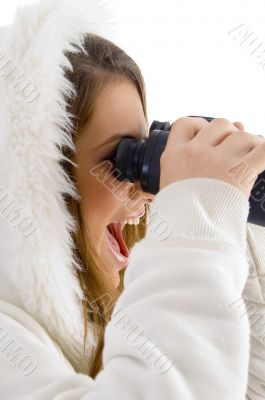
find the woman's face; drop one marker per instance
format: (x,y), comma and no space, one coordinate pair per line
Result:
(118,111)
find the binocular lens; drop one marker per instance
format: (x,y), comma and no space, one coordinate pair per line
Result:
(138,159)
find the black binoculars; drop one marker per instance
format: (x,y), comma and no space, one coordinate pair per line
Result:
(139,160)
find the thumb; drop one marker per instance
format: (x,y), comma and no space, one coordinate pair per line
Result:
(239,125)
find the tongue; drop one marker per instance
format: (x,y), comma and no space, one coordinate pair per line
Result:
(117,239)
(113,241)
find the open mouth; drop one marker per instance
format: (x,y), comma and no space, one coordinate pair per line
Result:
(116,244)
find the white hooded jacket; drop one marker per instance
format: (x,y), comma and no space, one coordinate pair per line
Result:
(182,297)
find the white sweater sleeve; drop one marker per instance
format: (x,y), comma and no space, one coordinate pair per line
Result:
(172,334)
(254,299)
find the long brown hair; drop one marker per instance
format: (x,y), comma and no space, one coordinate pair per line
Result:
(97,64)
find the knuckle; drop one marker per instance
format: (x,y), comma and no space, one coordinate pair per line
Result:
(185,122)
(178,121)
(201,120)
(182,119)
(250,136)
(222,121)
(257,139)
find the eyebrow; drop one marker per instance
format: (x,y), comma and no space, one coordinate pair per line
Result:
(121,135)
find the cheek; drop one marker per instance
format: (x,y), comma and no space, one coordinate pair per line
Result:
(101,196)
(99,199)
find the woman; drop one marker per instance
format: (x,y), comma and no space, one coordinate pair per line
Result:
(76,319)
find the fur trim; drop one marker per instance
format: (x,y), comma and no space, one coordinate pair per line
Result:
(37,263)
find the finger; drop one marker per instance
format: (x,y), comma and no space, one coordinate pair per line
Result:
(184,129)
(239,146)
(239,125)
(216,131)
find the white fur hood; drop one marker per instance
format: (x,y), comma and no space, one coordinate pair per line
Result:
(37,264)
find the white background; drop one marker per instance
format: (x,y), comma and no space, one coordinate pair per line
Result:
(191,64)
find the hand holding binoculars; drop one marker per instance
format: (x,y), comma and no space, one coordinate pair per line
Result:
(139,160)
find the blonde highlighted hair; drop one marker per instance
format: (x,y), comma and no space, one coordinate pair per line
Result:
(102,62)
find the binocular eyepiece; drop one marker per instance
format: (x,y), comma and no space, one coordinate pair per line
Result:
(139,160)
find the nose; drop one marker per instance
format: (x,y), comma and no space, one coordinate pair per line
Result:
(148,197)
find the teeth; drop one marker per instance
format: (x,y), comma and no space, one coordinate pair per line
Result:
(134,221)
